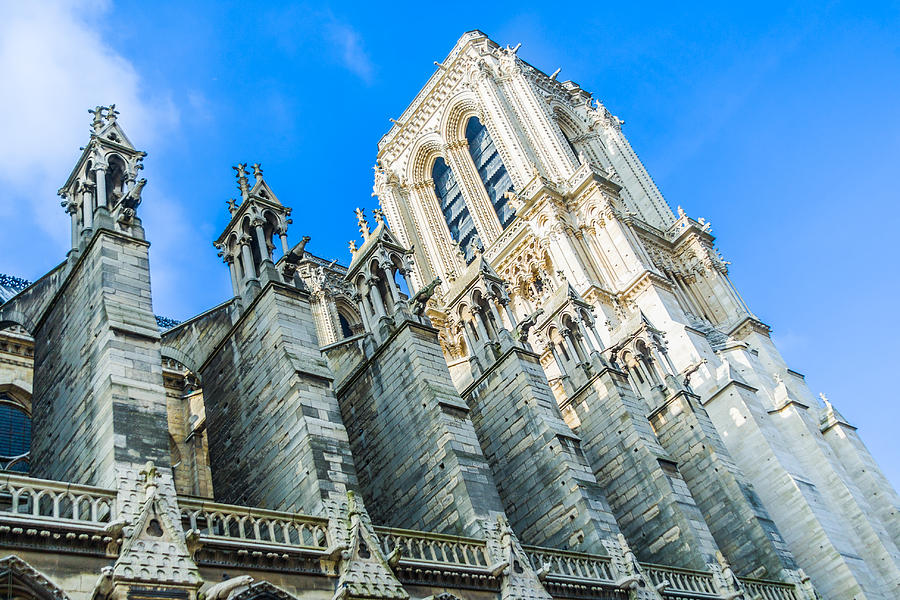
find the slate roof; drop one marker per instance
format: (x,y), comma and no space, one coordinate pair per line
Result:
(10,286)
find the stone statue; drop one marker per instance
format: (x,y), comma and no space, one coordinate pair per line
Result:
(133,198)
(526,324)
(418,302)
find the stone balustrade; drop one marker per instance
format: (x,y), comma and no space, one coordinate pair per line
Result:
(682,583)
(570,565)
(44,502)
(434,549)
(769,590)
(245,527)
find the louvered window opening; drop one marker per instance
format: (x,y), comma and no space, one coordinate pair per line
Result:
(453,206)
(15,434)
(491,169)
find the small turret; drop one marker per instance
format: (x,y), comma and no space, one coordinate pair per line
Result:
(103,190)
(247,245)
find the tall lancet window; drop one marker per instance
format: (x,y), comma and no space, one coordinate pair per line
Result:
(456,213)
(491,169)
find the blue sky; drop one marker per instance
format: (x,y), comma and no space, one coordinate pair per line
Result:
(778,122)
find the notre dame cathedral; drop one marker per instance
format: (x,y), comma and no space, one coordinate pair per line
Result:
(531,381)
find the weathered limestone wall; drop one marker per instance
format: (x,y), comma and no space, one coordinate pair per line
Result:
(861,466)
(739,522)
(276,439)
(98,389)
(547,486)
(648,495)
(815,532)
(416,452)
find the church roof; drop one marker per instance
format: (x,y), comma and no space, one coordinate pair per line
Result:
(11,285)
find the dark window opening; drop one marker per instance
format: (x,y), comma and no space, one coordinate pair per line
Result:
(491,169)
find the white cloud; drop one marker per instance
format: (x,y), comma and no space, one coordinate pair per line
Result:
(349,45)
(55,66)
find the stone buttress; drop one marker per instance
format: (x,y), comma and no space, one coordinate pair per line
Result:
(418,458)
(98,400)
(549,490)
(276,439)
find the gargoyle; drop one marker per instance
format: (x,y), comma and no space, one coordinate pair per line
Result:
(293,258)
(133,198)
(418,302)
(526,324)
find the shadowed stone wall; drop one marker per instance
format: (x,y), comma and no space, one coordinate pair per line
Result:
(419,460)
(735,514)
(98,387)
(550,494)
(648,495)
(276,439)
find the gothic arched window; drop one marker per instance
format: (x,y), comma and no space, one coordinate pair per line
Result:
(453,206)
(15,435)
(491,169)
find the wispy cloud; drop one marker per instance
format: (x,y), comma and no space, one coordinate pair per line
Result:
(348,44)
(55,66)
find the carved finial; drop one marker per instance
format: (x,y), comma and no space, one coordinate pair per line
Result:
(362,223)
(379,216)
(241,174)
(681,212)
(352,246)
(111,113)
(97,123)
(150,474)
(826,401)
(257,172)
(232,206)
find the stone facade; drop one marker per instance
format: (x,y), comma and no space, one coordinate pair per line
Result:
(533,381)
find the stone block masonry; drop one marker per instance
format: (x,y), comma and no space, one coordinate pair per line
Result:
(736,516)
(419,461)
(276,438)
(648,495)
(547,486)
(99,398)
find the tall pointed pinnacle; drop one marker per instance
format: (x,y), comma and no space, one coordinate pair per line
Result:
(362,223)
(243,184)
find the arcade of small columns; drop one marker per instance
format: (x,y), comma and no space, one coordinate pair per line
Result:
(248,247)
(376,293)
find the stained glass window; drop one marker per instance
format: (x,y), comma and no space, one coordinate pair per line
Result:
(491,169)
(453,205)
(15,434)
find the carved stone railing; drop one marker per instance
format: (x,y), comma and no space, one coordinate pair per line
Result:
(682,583)
(769,590)
(42,502)
(571,565)
(432,549)
(241,527)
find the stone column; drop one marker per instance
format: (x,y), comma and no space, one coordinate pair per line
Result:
(478,316)
(261,241)
(87,204)
(559,362)
(510,315)
(363,312)
(234,275)
(284,243)
(391,286)
(573,349)
(72,209)
(249,267)
(375,295)
(100,175)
